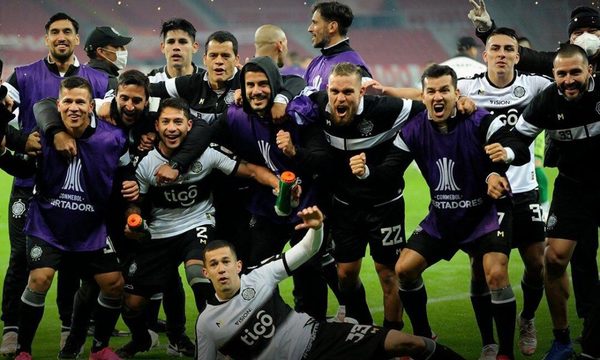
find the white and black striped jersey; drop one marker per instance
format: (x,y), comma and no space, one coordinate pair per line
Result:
(187,203)
(256,323)
(507,104)
(573,126)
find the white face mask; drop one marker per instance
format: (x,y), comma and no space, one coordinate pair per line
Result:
(588,42)
(121,60)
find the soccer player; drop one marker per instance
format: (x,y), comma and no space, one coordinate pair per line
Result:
(506,92)
(248,319)
(182,220)
(567,111)
(449,150)
(465,63)
(367,208)
(79,190)
(27,85)
(328,29)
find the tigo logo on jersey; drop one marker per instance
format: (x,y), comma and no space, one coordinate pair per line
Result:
(262,327)
(446,169)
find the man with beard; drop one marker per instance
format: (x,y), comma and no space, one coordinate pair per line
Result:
(27,85)
(367,208)
(567,110)
(328,29)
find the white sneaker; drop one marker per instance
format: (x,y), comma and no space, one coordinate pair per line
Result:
(489,352)
(9,344)
(527,336)
(155,339)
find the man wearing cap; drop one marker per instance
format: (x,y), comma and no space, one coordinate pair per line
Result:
(106,49)
(27,85)
(464,63)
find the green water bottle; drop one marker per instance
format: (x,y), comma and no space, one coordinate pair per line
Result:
(283,204)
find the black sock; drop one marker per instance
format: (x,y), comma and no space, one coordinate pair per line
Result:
(482,306)
(151,311)
(532,295)
(396,325)
(29,320)
(415,305)
(136,322)
(105,318)
(356,305)
(174,306)
(505,314)
(83,305)
(329,271)
(202,292)
(561,335)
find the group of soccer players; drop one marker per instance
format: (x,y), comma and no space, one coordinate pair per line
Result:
(87,170)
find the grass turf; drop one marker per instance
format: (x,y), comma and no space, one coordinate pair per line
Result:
(447,284)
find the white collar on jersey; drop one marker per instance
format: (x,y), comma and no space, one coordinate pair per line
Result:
(361,106)
(339,42)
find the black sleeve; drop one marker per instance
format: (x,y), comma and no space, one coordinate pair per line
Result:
(16,139)
(292,86)
(47,117)
(113,82)
(159,90)
(539,62)
(483,35)
(390,172)
(220,131)
(313,153)
(16,165)
(365,72)
(196,142)
(519,143)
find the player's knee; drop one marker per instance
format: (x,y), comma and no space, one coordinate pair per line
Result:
(407,274)
(133,304)
(411,285)
(33,298)
(194,275)
(555,262)
(388,279)
(113,286)
(496,276)
(40,281)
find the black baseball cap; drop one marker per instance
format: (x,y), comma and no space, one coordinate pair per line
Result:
(105,35)
(466,42)
(584,17)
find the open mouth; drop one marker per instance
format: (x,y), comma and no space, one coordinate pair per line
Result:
(219,71)
(223,280)
(341,110)
(438,109)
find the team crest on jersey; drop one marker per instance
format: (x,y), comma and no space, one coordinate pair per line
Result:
(519,91)
(132,268)
(196,167)
(18,208)
(36,253)
(365,127)
(230,98)
(551,223)
(598,107)
(248,294)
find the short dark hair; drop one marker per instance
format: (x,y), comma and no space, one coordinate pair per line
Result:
(134,77)
(570,50)
(221,37)
(437,71)
(505,31)
(178,24)
(346,69)
(217,244)
(175,103)
(253,67)
(75,82)
(335,11)
(62,16)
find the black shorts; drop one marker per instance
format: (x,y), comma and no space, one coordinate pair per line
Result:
(572,211)
(354,226)
(41,254)
(347,341)
(434,249)
(156,260)
(527,225)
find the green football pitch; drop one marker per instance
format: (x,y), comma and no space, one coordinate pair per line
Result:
(447,284)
